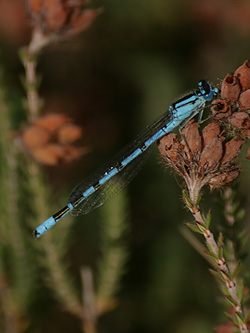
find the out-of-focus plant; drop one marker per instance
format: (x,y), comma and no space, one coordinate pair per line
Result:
(49,140)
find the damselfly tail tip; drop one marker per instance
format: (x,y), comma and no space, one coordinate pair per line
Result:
(44,227)
(36,234)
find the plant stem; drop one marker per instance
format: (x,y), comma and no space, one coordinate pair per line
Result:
(224,273)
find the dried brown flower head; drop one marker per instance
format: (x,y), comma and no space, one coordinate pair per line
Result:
(202,158)
(232,109)
(209,157)
(46,19)
(61,18)
(50,139)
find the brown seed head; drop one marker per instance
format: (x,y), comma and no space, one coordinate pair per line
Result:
(221,109)
(49,140)
(52,121)
(35,136)
(169,146)
(243,74)
(244,100)
(240,120)
(193,138)
(230,88)
(59,19)
(53,153)
(211,131)
(49,154)
(207,161)
(56,14)
(232,150)
(225,177)
(82,21)
(211,154)
(69,133)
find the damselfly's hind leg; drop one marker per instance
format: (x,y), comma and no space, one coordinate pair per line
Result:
(200,116)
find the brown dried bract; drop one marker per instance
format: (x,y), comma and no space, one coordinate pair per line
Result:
(170,146)
(221,109)
(232,150)
(244,100)
(208,161)
(49,139)
(211,131)
(192,137)
(52,154)
(49,154)
(56,14)
(230,88)
(52,121)
(240,120)
(69,133)
(35,136)
(224,178)
(243,74)
(211,154)
(61,18)
(82,21)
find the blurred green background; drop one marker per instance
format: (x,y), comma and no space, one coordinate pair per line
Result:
(135,60)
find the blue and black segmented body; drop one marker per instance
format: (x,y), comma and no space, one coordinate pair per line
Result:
(113,176)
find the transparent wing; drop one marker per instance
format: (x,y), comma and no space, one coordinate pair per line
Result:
(122,178)
(112,186)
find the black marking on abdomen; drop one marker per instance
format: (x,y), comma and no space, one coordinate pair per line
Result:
(76,201)
(61,212)
(143,148)
(96,185)
(119,167)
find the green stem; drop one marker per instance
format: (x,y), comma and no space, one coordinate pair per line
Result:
(224,272)
(60,281)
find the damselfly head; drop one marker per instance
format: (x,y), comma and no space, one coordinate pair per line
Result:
(207,91)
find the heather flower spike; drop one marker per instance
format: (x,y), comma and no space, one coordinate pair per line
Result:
(208,157)
(50,139)
(61,18)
